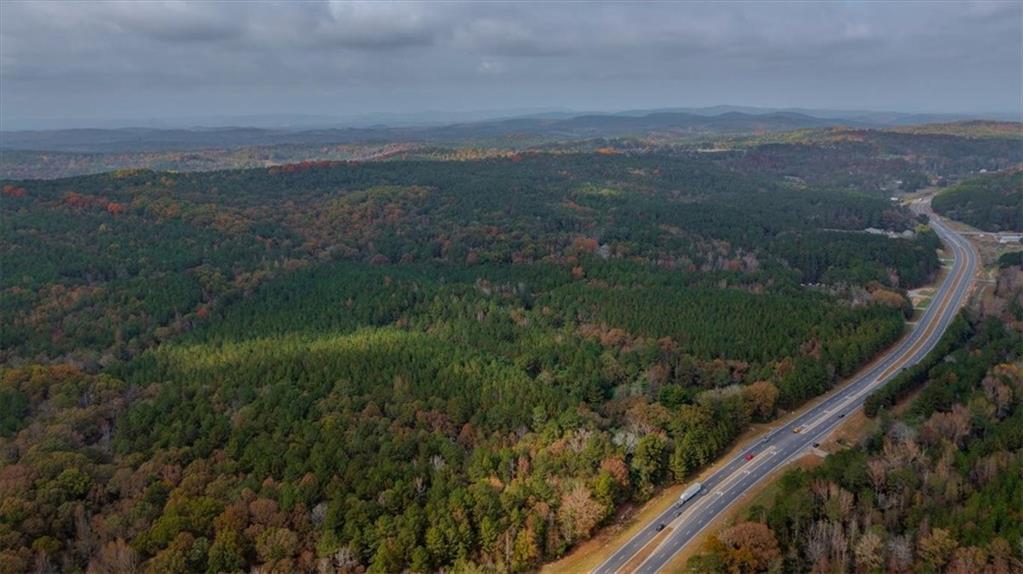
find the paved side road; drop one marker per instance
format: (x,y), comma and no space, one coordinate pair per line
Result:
(785,443)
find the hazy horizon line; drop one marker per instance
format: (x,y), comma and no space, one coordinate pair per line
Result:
(274,119)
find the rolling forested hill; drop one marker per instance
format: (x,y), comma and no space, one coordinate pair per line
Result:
(409,364)
(990,202)
(534,128)
(858,157)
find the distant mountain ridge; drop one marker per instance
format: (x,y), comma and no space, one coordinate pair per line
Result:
(580,126)
(548,125)
(878,118)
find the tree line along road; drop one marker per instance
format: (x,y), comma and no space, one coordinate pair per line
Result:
(685,522)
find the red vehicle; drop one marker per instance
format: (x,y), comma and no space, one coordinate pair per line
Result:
(750,456)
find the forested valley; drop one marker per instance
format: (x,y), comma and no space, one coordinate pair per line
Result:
(418,364)
(937,487)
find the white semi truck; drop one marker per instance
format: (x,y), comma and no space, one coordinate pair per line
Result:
(689,493)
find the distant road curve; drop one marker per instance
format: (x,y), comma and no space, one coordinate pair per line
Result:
(781,445)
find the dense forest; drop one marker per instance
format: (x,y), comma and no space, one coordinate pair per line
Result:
(992,202)
(881,160)
(937,488)
(341,366)
(98,268)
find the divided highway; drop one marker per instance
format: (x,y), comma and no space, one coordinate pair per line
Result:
(775,449)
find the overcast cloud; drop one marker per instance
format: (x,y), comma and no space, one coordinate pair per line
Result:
(97,61)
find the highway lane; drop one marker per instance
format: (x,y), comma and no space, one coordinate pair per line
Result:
(781,445)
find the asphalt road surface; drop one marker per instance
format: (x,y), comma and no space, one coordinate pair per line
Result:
(781,445)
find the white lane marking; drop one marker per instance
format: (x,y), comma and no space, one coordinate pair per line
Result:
(749,464)
(760,462)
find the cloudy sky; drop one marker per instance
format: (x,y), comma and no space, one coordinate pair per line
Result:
(98,61)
